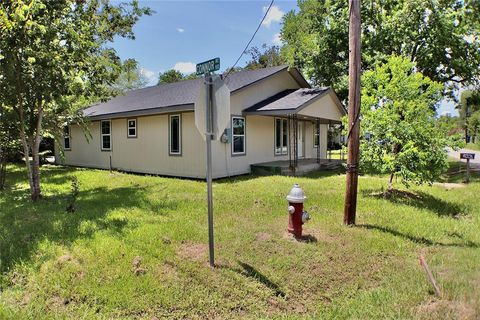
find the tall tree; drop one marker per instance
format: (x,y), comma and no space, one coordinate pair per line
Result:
(400,134)
(170,76)
(9,142)
(131,77)
(54,59)
(469,111)
(441,37)
(266,56)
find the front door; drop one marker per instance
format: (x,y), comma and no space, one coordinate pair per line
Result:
(301,139)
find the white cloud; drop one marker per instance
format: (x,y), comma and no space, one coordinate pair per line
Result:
(276,40)
(180,30)
(274,15)
(149,75)
(185,67)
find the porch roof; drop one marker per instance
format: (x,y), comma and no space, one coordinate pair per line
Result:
(292,101)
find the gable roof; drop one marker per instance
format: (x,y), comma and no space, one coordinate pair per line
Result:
(178,96)
(291,101)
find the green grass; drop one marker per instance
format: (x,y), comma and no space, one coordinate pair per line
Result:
(473,146)
(58,265)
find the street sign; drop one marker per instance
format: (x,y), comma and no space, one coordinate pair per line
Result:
(465,155)
(208,66)
(221,108)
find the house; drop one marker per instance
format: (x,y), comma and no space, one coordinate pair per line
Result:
(275,116)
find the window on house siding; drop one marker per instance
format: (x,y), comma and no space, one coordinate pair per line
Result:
(66,138)
(132,128)
(106,135)
(316,135)
(175,135)
(281,136)
(238,135)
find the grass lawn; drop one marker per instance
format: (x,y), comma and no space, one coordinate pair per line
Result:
(136,248)
(473,146)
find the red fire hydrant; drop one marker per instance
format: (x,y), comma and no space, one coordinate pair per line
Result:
(297,217)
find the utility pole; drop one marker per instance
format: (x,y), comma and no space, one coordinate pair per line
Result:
(354,64)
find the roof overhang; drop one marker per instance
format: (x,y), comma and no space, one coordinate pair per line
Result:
(297,110)
(144,112)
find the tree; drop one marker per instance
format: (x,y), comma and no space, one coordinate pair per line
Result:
(441,37)
(9,143)
(130,77)
(399,132)
(55,59)
(170,76)
(173,75)
(267,56)
(469,111)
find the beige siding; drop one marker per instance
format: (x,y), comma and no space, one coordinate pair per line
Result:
(324,108)
(262,90)
(148,153)
(310,150)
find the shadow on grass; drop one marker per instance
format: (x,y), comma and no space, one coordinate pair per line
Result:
(249,271)
(23,224)
(457,170)
(419,200)
(417,239)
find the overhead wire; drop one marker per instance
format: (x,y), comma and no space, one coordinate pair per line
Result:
(250,41)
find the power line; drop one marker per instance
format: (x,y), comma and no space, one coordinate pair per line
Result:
(251,39)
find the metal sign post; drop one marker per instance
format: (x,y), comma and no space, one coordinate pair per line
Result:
(212,112)
(208,136)
(467,156)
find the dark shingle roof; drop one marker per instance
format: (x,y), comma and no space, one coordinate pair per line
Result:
(173,96)
(287,100)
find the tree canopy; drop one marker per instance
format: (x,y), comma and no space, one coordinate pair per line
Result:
(441,37)
(266,56)
(172,75)
(400,134)
(130,77)
(55,57)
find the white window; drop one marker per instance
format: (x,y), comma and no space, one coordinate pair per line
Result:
(281,136)
(238,135)
(175,134)
(316,135)
(106,135)
(66,138)
(132,128)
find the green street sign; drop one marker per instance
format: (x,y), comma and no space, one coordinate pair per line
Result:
(208,66)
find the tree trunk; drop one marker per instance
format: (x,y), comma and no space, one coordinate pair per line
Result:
(3,169)
(26,148)
(390,182)
(36,190)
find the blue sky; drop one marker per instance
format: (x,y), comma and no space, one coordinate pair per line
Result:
(182,33)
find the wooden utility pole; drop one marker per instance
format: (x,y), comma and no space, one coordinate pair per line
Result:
(354,63)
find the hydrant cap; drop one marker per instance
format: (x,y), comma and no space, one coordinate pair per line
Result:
(296,195)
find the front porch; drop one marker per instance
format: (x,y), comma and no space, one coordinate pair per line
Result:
(303,166)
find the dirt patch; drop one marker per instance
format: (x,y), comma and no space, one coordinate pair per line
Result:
(450,186)
(65,259)
(444,309)
(310,235)
(395,193)
(136,268)
(167,270)
(192,251)
(263,236)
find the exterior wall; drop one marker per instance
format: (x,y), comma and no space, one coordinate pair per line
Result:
(310,150)
(261,90)
(324,108)
(148,153)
